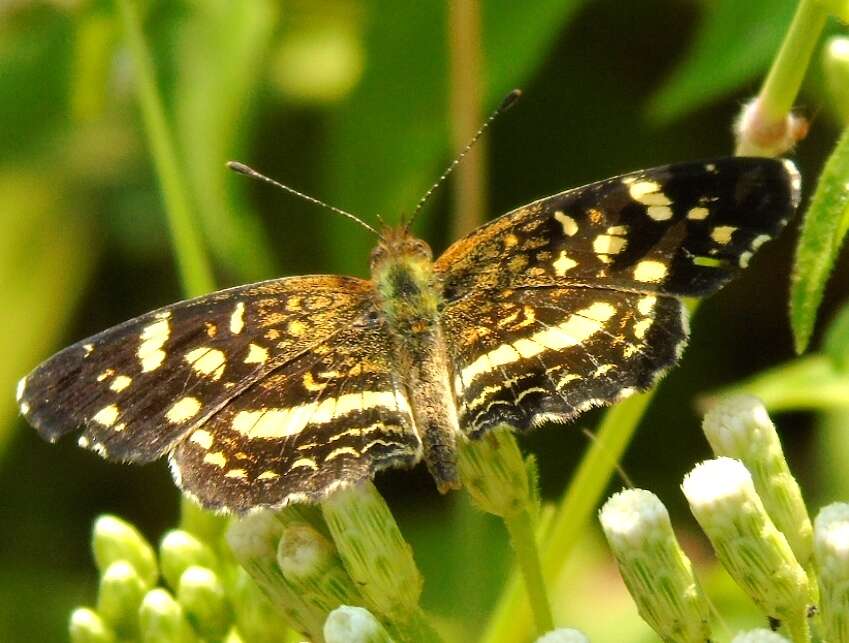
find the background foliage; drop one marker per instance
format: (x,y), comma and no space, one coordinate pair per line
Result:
(348,100)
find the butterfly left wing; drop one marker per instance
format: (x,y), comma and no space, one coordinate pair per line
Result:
(572,301)
(330,417)
(139,387)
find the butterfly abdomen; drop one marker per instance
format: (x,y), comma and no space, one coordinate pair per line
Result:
(410,300)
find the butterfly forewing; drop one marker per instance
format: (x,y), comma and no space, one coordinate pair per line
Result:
(139,387)
(682,230)
(331,416)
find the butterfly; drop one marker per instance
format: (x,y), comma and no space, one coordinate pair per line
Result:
(285,390)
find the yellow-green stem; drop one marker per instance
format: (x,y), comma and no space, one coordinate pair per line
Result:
(520,526)
(192,263)
(782,84)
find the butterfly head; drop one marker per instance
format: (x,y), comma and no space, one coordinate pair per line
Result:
(397,245)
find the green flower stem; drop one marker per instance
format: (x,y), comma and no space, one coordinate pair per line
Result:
(192,261)
(511,620)
(520,526)
(782,84)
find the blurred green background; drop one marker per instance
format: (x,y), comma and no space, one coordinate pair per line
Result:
(349,100)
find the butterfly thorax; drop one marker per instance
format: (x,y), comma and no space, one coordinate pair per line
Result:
(410,298)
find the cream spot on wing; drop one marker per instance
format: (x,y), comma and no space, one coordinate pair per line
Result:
(608,245)
(119,427)
(659,212)
(207,361)
(183,409)
(88,349)
(201,438)
(19,391)
(570,228)
(577,328)
(340,452)
(24,406)
(649,271)
(267,475)
(256,354)
(510,240)
(296,328)
(648,193)
(710,167)
(697,213)
(83,442)
(152,339)
(237,318)
(603,369)
(311,385)
(620,230)
(283,422)
(107,415)
(722,234)
(641,327)
(563,264)
(120,383)
(569,377)
(758,241)
(236,473)
(745,258)
(309,463)
(646,304)
(216,459)
(109,372)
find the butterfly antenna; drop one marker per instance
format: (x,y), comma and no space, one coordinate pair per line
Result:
(241,168)
(505,104)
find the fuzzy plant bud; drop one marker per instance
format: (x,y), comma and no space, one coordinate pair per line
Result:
(759,134)
(254,539)
(723,500)
(374,552)
(739,427)
(656,571)
(180,550)
(759,635)
(86,626)
(115,539)
(563,635)
(494,473)
(202,597)
(162,619)
(348,624)
(119,596)
(831,553)
(312,568)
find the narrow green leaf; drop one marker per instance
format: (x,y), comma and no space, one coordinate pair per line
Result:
(837,340)
(825,225)
(735,43)
(221,45)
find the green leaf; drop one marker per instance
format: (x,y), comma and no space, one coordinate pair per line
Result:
(837,340)
(735,43)
(826,223)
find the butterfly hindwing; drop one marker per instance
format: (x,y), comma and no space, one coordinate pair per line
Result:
(329,417)
(681,230)
(140,386)
(526,356)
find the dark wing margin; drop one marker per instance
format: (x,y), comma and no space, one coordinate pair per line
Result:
(326,419)
(139,387)
(529,356)
(680,230)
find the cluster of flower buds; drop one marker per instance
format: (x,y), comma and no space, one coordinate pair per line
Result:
(751,509)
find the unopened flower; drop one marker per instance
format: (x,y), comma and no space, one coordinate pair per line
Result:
(831,552)
(563,635)
(722,497)
(739,427)
(348,624)
(656,571)
(115,539)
